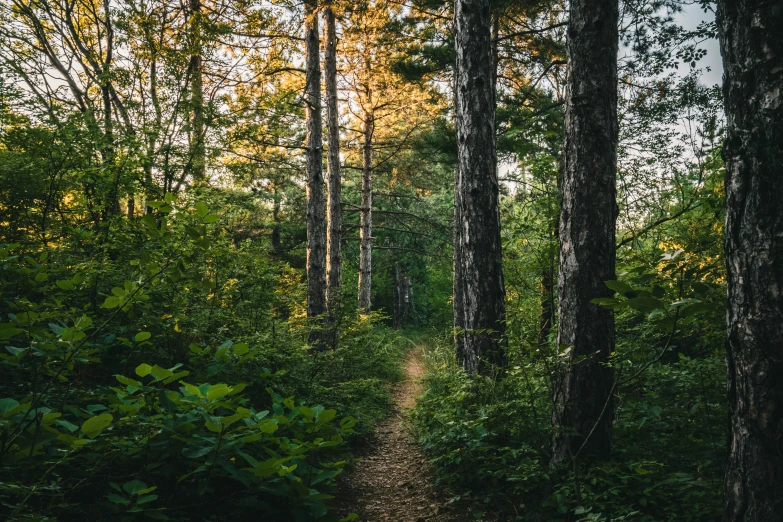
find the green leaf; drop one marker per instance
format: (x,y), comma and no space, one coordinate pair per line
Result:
(16,352)
(115,498)
(607,302)
(218,391)
(142,336)
(41,276)
(237,388)
(94,425)
(161,373)
(111,302)
(212,218)
(67,425)
(326,415)
(8,404)
(347,423)
(133,487)
(192,389)
(7,333)
(268,426)
(83,322)
(201,209)
(214,427)
(618,286)
(127,381)
(65,284)
(241,349)
(143,370)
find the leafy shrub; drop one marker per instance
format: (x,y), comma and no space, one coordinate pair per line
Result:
(489,443)
(122,399)
(279,456)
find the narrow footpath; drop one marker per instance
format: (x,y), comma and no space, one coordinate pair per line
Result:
(393,480)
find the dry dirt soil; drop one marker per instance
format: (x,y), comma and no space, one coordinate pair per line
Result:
(393,480)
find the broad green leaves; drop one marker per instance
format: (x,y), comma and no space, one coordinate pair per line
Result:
(93,426)
(8,405)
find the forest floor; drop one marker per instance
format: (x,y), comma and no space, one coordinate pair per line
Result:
(393,480)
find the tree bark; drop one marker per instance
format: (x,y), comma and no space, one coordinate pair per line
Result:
(407,299)
(752,50)
(365,233)
(547,317)
(316,227)
(585,338)
(479,292)
(398,296)
(197,149)
(334,216)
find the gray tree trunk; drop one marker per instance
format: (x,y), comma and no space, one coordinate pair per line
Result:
(334,215)
(407,300)
(197,148)
(479,292)
(398,296)
(547,317)
(752,49)
(582,402)
(365,233)
(316,223)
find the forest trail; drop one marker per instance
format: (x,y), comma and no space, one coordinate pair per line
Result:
(393,480)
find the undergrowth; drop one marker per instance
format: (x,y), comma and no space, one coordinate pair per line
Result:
(489,443)
(172,381)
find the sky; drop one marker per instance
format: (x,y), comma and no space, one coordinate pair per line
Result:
(690,18)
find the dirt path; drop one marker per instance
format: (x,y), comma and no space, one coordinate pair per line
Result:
(392,480)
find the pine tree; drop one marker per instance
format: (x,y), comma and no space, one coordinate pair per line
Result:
(479,293)
(316,227)
(752,52)
(582,418)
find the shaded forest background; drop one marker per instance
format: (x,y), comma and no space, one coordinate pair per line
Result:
(158,359)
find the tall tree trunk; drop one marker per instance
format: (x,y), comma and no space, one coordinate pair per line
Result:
(334,215)
(582,393)
(407,299)
(108,154)
(458,278)
(752,50)
(277,242)
(398,295)
(479,296)
(549,272)
(316,228)
(365,234)
(197,128)
(547,317)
